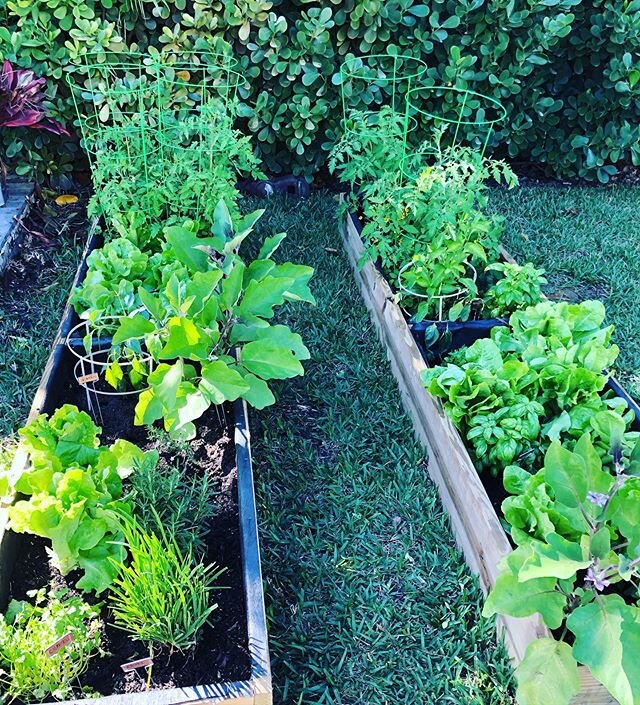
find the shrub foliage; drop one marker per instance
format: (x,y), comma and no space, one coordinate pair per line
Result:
(568,71)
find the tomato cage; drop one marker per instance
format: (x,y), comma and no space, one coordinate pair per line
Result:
(114,94)
(449,117)
(104,369)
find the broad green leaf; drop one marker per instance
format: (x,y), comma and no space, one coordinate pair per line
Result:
(624,510)
(260,297)
(190,405)
(270,245)
(601,543)
(220,383)
(232,286)
(300,274)
(113,374)
(522,599)
(566,473)
(279,335)
(186,339)
(100,565)
(148,409)
(152,304)
(165,381)
(548,674)
(557,558)
(135,327)
(270,361)
(258,270)
(185,244)
(258,395)
(607,641)
(222,227)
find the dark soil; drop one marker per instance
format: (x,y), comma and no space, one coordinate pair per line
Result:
(222,654)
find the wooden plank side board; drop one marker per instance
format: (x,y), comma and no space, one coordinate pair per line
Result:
(474,521)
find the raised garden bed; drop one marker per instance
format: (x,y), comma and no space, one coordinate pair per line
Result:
(12,211)
(231,665)
(476,525)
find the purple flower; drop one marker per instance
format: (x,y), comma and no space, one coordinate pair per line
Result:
(598,579)
(597,498)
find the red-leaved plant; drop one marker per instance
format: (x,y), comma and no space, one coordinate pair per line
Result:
(21,105)
(21,99)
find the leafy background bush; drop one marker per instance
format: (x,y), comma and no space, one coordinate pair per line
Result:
(568,71)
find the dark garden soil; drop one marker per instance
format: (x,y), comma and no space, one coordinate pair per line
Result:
(222,654)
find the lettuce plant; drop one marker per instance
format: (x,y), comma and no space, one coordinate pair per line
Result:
(73,489)
(577,564)
(209,329)
(538,380)
(27,629)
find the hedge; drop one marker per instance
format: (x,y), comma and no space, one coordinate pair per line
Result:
(568,71)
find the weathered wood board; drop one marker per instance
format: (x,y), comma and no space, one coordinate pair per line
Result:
(17,205)
(475,523)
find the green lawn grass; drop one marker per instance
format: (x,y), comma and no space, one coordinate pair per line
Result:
(588,240)
(369,602)
(32,297)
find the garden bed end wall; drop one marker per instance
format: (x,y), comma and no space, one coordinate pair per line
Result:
(19,201)
(475,523)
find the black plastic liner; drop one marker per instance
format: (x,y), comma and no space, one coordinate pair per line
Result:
(452,334)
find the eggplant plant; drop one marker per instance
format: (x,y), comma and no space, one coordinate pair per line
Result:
(209,327)
(577,564)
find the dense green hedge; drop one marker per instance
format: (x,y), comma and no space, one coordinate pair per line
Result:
(568,71)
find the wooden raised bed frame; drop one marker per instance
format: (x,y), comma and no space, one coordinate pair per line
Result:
(257,690)
(476,526)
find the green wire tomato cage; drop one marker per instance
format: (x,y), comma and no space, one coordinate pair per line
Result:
(152,126)
(196,94)
(453,115)
(371,81)
(114,94)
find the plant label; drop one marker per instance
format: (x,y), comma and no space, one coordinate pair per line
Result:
(59,645)
(85,379)
(140,663)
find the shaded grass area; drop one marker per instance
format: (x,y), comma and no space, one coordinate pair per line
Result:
(33,292)
(369,602)
(588,240)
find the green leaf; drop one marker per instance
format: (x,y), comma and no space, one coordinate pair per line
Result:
(270,245)
(186,339)
(270,361)
(132,328)
(566,473)
(548,674)
(152,304)
(301,275)
(165,381)
(220,383)
(232,285)
(607,641)
(261,296)
(513,597)
(186,244)
(258,395)
(601,543)
(558,558)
